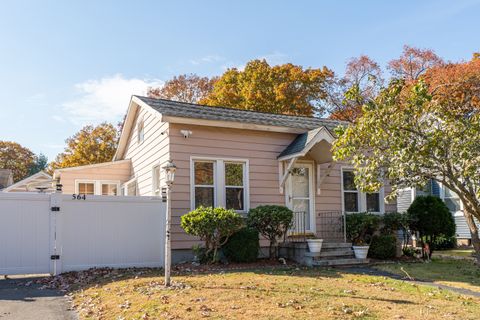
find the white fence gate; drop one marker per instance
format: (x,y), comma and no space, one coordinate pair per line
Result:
(54,233)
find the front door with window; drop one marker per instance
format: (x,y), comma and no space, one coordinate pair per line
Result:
(299,194)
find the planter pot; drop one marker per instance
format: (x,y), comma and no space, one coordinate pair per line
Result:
(361,252)
(315,245)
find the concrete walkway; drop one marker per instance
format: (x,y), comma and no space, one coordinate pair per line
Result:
(375,272)
(18,301)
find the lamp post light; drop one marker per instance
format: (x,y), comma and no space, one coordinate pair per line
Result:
(170,169)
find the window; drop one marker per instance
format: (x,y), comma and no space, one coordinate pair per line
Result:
(220,182)
(156,181)
(86,188)
(356,201)
(109,189)
(234,190)
(140,131)
(204,179)
(452,200)
(350,192)
(373,202)
(131,188)
(97,187)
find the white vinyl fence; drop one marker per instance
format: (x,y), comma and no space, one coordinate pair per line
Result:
(54,233)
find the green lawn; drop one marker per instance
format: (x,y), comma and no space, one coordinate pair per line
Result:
(457,273)
(267,294)
(455,253)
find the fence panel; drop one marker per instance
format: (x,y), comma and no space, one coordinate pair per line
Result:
(103,231)
(25,233)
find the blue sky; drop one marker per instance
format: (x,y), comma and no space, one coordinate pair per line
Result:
(64,64)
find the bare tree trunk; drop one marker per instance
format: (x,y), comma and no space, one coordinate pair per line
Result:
(474,233)
(273,249)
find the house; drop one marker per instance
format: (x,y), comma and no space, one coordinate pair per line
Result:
(6,178)
(38,182)
(228,157)
(406,197)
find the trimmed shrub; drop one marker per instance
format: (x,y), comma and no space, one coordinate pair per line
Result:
(243,246)
(430,217)
(272,222)
(382,247)
(360,227)
(212,225)
(444,243)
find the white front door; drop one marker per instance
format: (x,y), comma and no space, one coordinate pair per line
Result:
(299,195)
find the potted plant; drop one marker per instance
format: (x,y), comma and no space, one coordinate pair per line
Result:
(314,245)
(360,228)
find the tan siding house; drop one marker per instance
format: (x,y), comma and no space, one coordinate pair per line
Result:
(232,158)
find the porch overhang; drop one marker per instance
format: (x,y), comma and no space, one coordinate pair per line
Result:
(316,144)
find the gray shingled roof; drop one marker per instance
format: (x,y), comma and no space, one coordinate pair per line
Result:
(196,111)
(299,143)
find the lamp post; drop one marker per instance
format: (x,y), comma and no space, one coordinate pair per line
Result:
(170,169)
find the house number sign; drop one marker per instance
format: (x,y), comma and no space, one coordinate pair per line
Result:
(79,197)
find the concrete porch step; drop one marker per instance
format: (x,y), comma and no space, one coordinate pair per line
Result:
(337,252)
(336,245)
(339,262)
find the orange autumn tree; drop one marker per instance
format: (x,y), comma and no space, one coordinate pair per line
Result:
(421,129)
(90,145)
(362,81)
(189,88)
(413,63)
(285,89)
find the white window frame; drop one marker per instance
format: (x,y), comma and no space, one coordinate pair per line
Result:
(97,185)
(443,190)
(219,192)
(156,183)
(362,196)
(140,124)
(125,187)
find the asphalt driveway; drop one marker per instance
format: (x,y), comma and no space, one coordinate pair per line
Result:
(18,301)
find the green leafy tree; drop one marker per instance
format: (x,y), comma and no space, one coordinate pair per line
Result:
(430,217)
(214,226)
(90,145)
(16,158)
(285,89)
(421,129)
(272,222)
(40,163)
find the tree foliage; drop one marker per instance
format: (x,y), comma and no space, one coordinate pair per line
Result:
(362,81)
(214,226)
(283,89)
(40,163)
(418,130)
(189,88)
(272,222)
(413,63)
(90,145)
(16,158)
(430,217)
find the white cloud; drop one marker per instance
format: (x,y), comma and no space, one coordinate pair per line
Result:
(105,99)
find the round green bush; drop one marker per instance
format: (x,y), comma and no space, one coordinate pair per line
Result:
(382,247)
(243,246)
(360,227)
(272,222)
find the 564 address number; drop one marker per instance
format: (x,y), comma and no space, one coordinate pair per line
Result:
(79,197)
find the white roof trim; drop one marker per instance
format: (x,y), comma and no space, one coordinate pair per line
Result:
(128,125)
(27,180)
(322,134)
(231,124)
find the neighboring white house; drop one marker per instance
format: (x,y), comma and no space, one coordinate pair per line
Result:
(38,182)
(406,197)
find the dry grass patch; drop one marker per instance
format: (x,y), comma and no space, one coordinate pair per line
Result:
(452,272)
(269,294)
